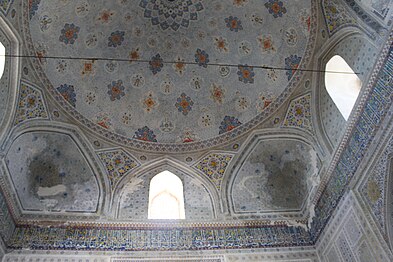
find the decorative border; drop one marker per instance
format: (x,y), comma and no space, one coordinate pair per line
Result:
(201,259)
(367,19)
(171,147)
(100,239)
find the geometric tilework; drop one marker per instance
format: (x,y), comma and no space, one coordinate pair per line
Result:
(370,118)
(214,166)
(30,104)
(379,8)
(374,189)
(167,13)
(7,225)
(353,230)
(5,6)
(345,250)
(135,239)
(117,163)
(336,16)
(299,113)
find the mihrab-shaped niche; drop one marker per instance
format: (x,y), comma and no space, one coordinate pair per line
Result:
(276,176)
(198,193)
(50,173)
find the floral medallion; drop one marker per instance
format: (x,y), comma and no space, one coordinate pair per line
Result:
(184,104)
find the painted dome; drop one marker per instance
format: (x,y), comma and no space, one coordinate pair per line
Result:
(170,72)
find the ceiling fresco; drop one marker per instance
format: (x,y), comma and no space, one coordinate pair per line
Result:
(170,71)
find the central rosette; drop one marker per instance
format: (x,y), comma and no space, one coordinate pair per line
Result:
(171,14)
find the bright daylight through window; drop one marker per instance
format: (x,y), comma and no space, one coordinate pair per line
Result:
(342,88)
(2,59)
(166,200)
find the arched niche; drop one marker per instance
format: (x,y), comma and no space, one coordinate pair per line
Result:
(275,176)
(52,170)
(9,81)
(132,194)
(360,54)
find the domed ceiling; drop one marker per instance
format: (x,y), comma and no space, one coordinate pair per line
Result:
(170,71)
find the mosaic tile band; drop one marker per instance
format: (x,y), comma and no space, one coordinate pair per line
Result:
(161,239)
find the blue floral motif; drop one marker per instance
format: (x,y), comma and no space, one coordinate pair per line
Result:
(234,23)
(246,74)
(116,90)
(116,39)
(68,93)
(228,124)
(169,14)
(291,65)
(69,34)
(201,57)
(156,64)
(276,8)
(184,104)
(145,134)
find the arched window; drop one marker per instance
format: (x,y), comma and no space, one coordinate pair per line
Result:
(166,199)
(2,59)
(342,88)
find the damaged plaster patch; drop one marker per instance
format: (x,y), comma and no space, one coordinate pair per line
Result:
(276,176)
(49,172)
(51,191)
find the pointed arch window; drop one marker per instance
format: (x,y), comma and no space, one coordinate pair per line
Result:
(166,199)
(2,59)
(344,89)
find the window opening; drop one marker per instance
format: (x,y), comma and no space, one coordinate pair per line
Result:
(2,59)
(344,88)
(166,199)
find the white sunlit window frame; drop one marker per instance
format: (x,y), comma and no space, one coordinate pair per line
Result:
(166,198)
(342,84)
(2,59)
